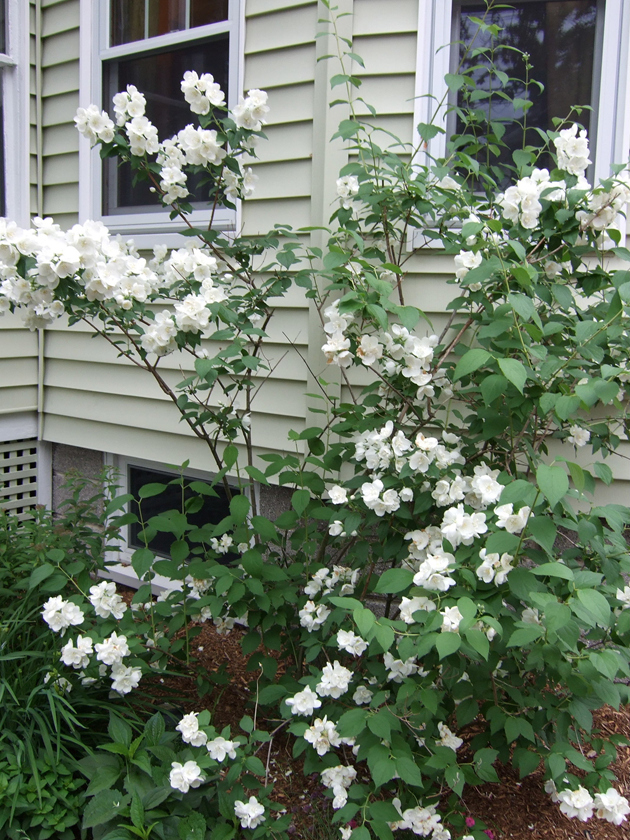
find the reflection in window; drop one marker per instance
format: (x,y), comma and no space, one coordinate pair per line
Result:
(136,20)
(560,37)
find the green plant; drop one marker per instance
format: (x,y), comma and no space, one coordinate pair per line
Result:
(42,805)
(443,560)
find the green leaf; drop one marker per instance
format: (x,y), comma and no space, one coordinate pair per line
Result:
(142,561)
(239,508)
(596,604)
(150,490)
(553,483)
(543,531)
(105,806)
(300,500)
(524,636)
(230,455)
(393,581)
(447,643)
(365,620)
(454,778)
(40,574)
(385,636)
(119,730)
(408,771)
(471,361)
(454,81)
(603,472)
(106,777)
(136,812)
(515,372)
(492,387)
(558,570)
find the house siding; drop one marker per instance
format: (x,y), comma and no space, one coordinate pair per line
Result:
(94,399)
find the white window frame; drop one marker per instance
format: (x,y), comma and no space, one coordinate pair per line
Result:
(613,95)
(118,562)
(146,228)
(14,68)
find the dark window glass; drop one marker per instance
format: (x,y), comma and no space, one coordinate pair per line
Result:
(134,20)
(3,26)
(126,21)
(158,75)
(203,12)
(166,16)
(215,508)
(560,38)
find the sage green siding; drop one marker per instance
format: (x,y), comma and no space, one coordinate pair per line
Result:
(59,102)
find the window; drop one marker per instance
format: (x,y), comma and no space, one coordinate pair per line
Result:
(563,41)
(150,44)
(134,474)
(14,100)
(215,508)
(580,43)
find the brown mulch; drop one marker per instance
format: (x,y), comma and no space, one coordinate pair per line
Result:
(515,809)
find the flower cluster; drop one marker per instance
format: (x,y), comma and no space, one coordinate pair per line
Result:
(60,614)
(609,806)
(201,92)
(339,779)
(106,601)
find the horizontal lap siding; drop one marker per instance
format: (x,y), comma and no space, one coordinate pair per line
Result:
(60,99)
(18,367)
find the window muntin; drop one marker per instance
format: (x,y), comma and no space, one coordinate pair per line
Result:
(563,40)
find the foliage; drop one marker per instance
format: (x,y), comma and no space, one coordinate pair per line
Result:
(42,805)
(443,560)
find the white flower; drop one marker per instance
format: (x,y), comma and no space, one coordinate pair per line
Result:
(250,813)
(59,614)
(322,735)
(339,778)
(125,677)
(465,262)
(250,113)
(351,643)
(579,436)
(335,529)
(576,803)
(304,702)
(398,669)
(623,595)
(572,150)
(312,617)
(347,186)
(335,680)
(219,748)
(338,495)
(408,606)
(185,776)
(106,601)
(447,738)
(512,522)
(531,616)
(451,618)
(362,695)
(79,656)
(112,649)
(611,806)
(189,728)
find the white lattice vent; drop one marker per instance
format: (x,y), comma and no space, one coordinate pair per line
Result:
(18,476)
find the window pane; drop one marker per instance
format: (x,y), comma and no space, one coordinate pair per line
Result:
(166,16)
(203,12)
(215,508)
(559,36)
(126,21)
(158,75)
